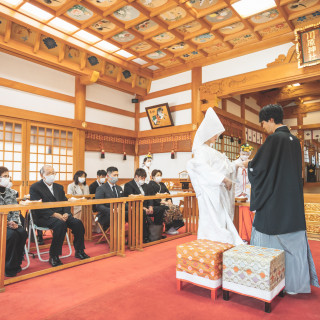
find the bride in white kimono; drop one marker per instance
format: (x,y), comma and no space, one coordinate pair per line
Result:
(212,175)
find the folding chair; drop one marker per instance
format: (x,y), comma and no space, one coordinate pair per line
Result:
(32,228)
(105,234)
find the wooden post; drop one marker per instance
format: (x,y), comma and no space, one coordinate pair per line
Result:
(301,137)
(79,114)
(243,106)
(3,241)
(224,104)
(197,115)
(137,128)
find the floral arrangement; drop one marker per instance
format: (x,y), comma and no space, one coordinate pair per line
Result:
(246,147)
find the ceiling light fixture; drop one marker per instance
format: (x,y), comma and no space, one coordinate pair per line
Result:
(106,46)
(124,54)
(62,25)
(86,36)
(35,12)
(296,85)
(247,8)
(12,3)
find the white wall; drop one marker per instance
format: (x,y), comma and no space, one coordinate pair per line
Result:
(110,97)
(172,81)
(312,118)
(109,119)
(247,63)
(27,72)
(252,117)
(170,167)
(233,108)
(93,163)
(290,122)
(252,103)
(32,102)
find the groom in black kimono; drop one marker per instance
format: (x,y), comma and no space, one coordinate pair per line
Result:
(275,174)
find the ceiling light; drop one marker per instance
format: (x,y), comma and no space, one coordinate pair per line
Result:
(247,8)
(296,85)
(124,54)
(104,45)
(62,25)
(86,36)
(12,3)
(139,61)
(153,68)
(35,12)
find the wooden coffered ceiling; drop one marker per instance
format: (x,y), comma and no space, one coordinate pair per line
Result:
(149,38)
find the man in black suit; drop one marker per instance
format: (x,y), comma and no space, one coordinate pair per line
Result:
(57,219)
(138,186)
(101,179)
(108,190)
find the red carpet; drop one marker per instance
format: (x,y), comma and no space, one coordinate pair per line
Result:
(141,286)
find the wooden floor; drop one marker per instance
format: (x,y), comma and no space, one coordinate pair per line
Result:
(311,187)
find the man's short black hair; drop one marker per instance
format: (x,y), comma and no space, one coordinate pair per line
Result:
(111,169)
(140,173)
(101,173)
(273,111)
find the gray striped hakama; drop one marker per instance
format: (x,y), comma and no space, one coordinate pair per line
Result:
(300,269)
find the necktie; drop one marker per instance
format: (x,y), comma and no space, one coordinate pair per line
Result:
(114,191)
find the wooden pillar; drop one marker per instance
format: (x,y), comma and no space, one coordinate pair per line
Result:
(224,104)
(301,138)
(243,116)
(80,136)
(137,129)
(197,115)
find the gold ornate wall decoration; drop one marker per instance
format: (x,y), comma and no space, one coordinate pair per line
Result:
(312,213)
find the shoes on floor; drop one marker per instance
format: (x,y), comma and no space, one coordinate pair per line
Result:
(55,261)
(10,274)
(172,231)
(291,293)
(80,254)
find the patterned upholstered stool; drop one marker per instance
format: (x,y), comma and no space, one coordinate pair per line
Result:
(256,272)
(200,262)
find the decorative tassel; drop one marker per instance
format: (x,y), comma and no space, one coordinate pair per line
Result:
(102,156)
(239,141)
(231,140)
(172,154)
(221,136)
(124,156)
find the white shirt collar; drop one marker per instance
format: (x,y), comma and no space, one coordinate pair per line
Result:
(49,187)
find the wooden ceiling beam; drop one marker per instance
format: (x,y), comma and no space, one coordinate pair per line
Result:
(7,34)
(285,15)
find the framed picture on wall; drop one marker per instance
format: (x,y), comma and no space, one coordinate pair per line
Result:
(159,116)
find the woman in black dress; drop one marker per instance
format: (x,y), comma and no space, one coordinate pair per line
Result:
(173,217)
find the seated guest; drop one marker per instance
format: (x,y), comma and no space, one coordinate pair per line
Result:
(101,179)
(16,234)
(173,218)
(137,186)
(78,188)
(108,190)
(57,219)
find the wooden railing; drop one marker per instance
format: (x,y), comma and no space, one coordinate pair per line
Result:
(117,226)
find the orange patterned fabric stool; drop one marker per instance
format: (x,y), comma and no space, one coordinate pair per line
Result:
(253,271)
(200,262)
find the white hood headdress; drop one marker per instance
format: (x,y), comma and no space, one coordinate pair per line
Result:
(209,127)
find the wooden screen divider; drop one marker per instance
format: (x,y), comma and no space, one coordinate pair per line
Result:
(117,226)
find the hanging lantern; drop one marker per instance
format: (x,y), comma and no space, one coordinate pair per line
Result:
(124,155)
(231,140)
(102,156)
(221,136)
(172,154)
(239,141)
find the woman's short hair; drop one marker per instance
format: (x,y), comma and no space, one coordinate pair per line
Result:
(3,170)
(140,173)
(273,111)
(77,175)
(155,171)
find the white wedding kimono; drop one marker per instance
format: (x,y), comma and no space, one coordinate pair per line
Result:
(207,170)
(243,183)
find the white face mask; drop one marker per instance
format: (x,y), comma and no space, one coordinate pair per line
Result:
(158,179)
(148,164)
(244,158)
(141,182)
(102,180)
(10,184)
(82,180)
(4,182)
(114,180)
(49,179)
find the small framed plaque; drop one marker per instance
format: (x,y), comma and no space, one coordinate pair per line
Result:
(159,116)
